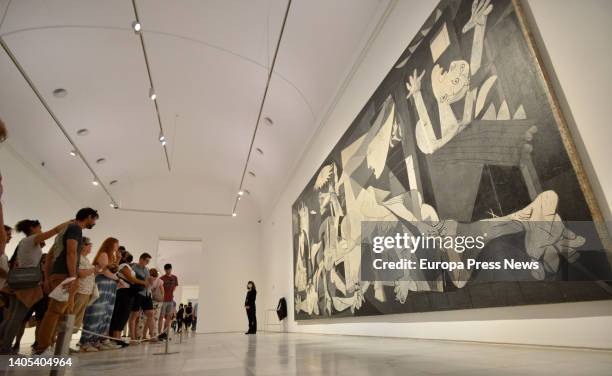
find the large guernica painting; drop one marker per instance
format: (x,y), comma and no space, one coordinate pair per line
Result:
(462,132)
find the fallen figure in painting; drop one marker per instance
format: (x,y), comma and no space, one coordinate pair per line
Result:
(546,236)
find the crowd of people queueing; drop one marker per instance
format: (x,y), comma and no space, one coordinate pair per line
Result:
(105,295)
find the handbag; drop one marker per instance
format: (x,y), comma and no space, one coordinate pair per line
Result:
(24,278)
(157,295)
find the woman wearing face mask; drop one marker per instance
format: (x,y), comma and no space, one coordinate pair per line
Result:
(249,305)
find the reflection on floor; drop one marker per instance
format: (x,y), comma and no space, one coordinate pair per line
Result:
(308,354)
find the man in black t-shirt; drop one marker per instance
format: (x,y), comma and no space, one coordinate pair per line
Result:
(65,265)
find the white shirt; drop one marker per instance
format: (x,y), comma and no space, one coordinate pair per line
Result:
(86,284)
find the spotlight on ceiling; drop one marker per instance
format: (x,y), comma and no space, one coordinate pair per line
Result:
(234,214)
(259,151)
(268,121)
(252,174)
(136,26)
(95,182)
(60,92)
(162,138)
(152,94)
(113,182)
(164,143)
(73,153)
(114,206)
(240,193)
(100,160)
(83,132)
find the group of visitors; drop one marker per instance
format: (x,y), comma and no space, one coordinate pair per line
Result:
(104,295)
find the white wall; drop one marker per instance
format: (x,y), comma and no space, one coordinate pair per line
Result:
(29,195)
(575,34)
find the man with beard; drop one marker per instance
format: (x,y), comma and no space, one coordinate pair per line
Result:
(65,265)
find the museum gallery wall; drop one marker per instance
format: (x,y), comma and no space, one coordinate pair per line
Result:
(463,129)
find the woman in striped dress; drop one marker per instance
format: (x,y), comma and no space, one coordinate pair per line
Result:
(98,315)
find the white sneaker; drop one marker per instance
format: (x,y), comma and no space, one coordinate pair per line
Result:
(45,354)
(108,345)
(88,348)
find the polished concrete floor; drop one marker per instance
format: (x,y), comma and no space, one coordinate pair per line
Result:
(306,354)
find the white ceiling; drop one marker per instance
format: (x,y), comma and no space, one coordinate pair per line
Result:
(209,62)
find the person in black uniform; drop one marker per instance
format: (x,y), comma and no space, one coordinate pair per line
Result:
(249,305)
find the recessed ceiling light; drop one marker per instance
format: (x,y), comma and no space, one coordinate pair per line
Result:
(240,193)
(100,160)
(73,153)
(60,92)
(114,206)
(163,143)
(268,121)
(113,182)
(234,214)
(259,151)
(152,94)
(252,173)
(83,132)
(95,182)
(136,26)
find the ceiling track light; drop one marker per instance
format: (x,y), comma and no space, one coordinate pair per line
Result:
(95,182)
(152,94)
(260,117)
(73,153)
(234,214)
(240,193)
(136,27)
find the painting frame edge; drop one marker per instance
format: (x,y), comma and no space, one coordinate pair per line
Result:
(544,75)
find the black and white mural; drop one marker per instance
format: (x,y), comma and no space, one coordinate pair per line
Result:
(461,132)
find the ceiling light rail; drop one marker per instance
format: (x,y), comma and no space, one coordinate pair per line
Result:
(263,101)
(137,27)
(75,152)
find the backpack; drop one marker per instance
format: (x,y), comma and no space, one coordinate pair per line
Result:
(281,309)
(157,294)
(58,245)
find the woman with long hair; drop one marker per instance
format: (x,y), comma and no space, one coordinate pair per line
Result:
(98,315)
(125,297)
(249,305)
(27,255)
